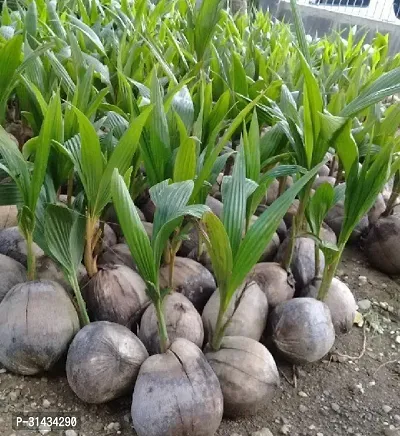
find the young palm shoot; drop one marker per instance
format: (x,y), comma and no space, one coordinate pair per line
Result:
(64,235)
(171,207)
(95,174)
(232,255)
(29,183)
(362,188)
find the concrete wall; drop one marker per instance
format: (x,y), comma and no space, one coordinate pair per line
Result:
(320,21)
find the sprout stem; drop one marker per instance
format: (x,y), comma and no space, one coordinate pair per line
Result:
(393,196)
(90,262)
(329,273)
(162,328)
(70,188)
(172,256)
(31,258)
(219,329)
(297,225)
(81,303)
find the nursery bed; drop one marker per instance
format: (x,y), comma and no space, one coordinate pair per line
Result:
(331,398)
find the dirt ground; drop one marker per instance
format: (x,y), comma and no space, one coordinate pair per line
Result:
(338,396)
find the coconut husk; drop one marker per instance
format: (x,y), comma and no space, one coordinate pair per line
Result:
(103,362)
(247,374)
(182,321)
(37,323)
(177,393)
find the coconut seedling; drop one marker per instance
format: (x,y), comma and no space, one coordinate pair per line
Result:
(106,298)
(29,182)
(312,130)
(233,256)
(180,371)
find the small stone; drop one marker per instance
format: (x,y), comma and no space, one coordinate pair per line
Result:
(389,432)
(127,418)
(384,305)
(397,340)
(350,430)
(71,433)
(311,427)
(320,434)
(335,407)
(236,434)
(113,426)
(263,432)
(364,305)
(302,394)
(13,395)
(302,408)
(3,370)
(44,429)
(386,408)
(396,418)
(362,280)
(285,429)
(46,404)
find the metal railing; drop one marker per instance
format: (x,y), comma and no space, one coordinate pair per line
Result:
(380,10)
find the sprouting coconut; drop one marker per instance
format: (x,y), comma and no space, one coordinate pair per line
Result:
(303,260)
(247,313)
(118,254)
(247,374)
(37,323)
(11,273)
(8,216)
(177,393)
(46,269)
(382,245)
(181,318)
(302,330)
(117,294)
(340,302)
(277,188)
(191,279)
(274,281)
(103,362)
(13,244)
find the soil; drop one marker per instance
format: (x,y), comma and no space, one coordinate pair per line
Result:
(338,396)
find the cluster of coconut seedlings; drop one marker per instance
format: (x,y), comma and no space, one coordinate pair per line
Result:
(182,291)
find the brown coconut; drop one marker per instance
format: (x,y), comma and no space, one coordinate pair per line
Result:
(118,254)
(47,269)
(191,279)
(324,171)
(334,219)
(274,281)
(116,293)
(182,321)
(13,244)
(37,323)
(291,213)
(377,210)
(11,274)
(324,179)
(177,394)
(247,374)
(247,312)
(8,216)
(340,302)
(303,260)
(382,245)
(327,234)
(301,329)
(103,362)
